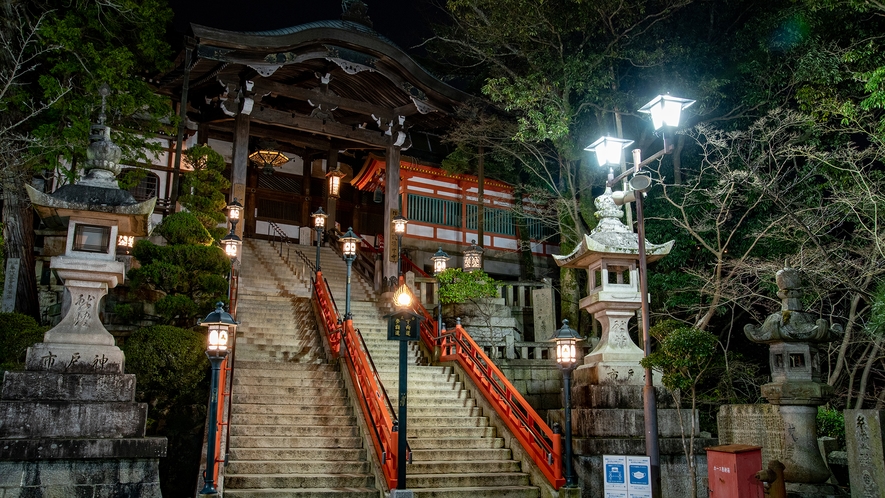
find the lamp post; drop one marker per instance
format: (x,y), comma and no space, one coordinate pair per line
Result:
(440,259)
(566,340)
(319,221)
(221,327)
(349,243)
(399,228)
(403,326)
(234,211)
(666,112)
(473,257)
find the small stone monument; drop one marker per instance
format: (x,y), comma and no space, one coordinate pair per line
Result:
(69,424)
(865,441)
(787,429)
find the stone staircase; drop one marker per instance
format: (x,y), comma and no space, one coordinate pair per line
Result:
(293,431)
(456,453)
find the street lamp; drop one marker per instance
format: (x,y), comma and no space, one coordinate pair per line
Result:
(566,340)
(665,111)
(231,244)
(473,257)
(221,327)
(349,242)
(399,228)
(319,221)
(403,325)
(440,259)
(234,210)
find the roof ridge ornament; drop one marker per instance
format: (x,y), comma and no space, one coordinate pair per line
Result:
(355,11)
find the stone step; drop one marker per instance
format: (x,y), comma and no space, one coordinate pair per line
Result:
(297,454)
(294,430)
(477,492)
(416,421)
(262,399)
(291,392)
(303,369)
(450,432)
(497,479)
(297,467)
(290,381)
(258,481)
(307,493)
(460,454)
(295,442)
(455,467)
(291,409)
(291,420)
(455,443)
(283,357)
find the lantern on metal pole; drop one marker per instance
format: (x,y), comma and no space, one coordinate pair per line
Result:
(234,212)
(473,257)
(566,340)
(221,327)
(349,243)
(404,326)
(440,260)
(319,222)
(399,228)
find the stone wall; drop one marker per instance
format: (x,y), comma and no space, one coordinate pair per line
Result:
(539,382)
(94,478)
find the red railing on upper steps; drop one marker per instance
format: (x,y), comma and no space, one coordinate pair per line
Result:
(539,441)
(374,403)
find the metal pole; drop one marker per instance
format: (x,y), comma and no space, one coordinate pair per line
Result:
(209,473)
(319,239)
(569,474)
(403,405)
(399,255)
(650,409)
(347,315)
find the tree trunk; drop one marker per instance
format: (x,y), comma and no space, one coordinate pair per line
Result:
(18,232)
(677,159)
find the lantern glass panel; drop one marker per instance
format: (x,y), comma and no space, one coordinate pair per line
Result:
(91,238)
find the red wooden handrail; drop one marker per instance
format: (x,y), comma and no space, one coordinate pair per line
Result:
(409,265)
(364,378)
(541,444)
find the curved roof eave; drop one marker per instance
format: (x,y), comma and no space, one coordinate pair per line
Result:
(335,31)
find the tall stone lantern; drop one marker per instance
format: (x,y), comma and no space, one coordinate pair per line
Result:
(610,253)
(71,417)
(796,386)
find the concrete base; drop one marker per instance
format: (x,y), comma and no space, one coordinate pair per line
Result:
(402,493)
(133,478)
(675,479)
(800,490)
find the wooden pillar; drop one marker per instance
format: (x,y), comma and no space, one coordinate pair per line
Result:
(391,208)
(306,172)
(332,202)
(239,167)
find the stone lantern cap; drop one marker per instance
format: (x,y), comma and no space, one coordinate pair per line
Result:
(610,239)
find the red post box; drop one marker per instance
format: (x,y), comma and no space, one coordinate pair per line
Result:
(732,468)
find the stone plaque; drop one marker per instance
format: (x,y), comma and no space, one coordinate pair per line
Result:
(543,311)
(305,236)
(866,459)
(10,285)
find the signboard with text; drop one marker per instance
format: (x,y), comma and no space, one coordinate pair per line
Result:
(403,326)
(626,476)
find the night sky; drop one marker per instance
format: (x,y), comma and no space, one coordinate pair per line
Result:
(406,22)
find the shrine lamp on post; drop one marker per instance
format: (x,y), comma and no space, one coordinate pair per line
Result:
(403,326)
(349,243)
(440,260)
(234,212)
(566,339)
(319,222)
(335,177)
(666,112)
(221,327)
(399,228)
(473,257)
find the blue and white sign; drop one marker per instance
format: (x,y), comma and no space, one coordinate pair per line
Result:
(638,477)
(615,479)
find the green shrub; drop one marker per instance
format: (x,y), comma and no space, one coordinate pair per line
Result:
(17,333)
(457,286)
(831,423)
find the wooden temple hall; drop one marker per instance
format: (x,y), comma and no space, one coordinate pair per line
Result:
(289,108)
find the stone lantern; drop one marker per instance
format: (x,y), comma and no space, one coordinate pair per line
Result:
(796,386)
(71,417)
(610,254)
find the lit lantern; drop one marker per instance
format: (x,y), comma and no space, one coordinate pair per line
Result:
(231,244)
(608,150)
(473,257)
(439,261)
(566,340)
(349,243)
(335,177)
(221,326)
(402,298)
(666,110)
